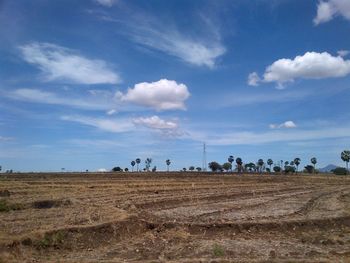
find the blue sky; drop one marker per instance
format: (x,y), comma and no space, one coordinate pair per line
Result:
(95,84)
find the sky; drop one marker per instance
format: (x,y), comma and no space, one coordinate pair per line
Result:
(95,84)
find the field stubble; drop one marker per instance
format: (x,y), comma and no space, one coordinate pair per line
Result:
(174,217)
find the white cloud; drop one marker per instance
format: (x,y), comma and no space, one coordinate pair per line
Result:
(107,3)
(155,122)
(160,95)
(38,96)
(253,79)
(162,36)
(311,65)
(167,129)
(115,126)
(102,170)
(59,63)
(286,124)
(327,10)
(111,112)
(343,53)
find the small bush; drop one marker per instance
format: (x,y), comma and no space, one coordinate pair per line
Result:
(6,207)
(340,171)
(218,251)
(54,240)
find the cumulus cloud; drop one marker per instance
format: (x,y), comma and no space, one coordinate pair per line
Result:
(109,125)
(327,10)
(253,79)
(39,96)
(311,65)
(102,170)
(286,125)
(59,63)
(343,53)
(160,95)
(107,3)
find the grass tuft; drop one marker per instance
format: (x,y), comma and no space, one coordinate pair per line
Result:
(218,251)
(6,207)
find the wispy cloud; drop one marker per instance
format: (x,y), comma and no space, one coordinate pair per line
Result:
(162,36)
(81,102)
(284,125)
(286,135)
(109,125)
(107,3)
(59,63)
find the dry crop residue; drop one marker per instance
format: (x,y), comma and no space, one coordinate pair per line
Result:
(174,217)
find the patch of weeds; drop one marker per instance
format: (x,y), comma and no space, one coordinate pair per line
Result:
(51,240)
(6,207)
(218,251)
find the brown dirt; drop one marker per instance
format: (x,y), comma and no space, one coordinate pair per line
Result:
(175,217)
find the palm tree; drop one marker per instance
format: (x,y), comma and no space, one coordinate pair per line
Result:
(239,163)
(269,163)
(260,164)
(297,162)
(314,161)
(132,165)
(168,163)
(230,159)
(138,161)
(148,163)
(345,156)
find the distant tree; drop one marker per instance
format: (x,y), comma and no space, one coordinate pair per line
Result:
(126,170)
(168,162)
(117,169)
(0,168)
(297,162)
(250,167)
(154,169)
(148,162)
(199,169)
(239,163)
(340,171)
(286,163)
(289,169)
(214,166)
(86,170)
(138,161)
(277,169)
(291,163)
(191,168)
(314,161)
(230,159)
(260,164)
(268,170)
(132,165)
(227,166)
(184,169)
(345,156)
(269,163)
(309,169)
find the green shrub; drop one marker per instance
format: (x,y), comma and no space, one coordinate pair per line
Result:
(218,251)
(6,207)
(340,171)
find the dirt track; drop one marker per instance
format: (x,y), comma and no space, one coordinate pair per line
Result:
(175,217)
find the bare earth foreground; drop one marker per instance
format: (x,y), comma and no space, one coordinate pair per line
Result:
(174,217)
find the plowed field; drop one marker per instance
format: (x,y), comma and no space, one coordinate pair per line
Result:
(174,217)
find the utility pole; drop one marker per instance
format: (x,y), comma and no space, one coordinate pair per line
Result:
(204,160)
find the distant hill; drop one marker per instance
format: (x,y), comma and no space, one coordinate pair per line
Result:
(328,168)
